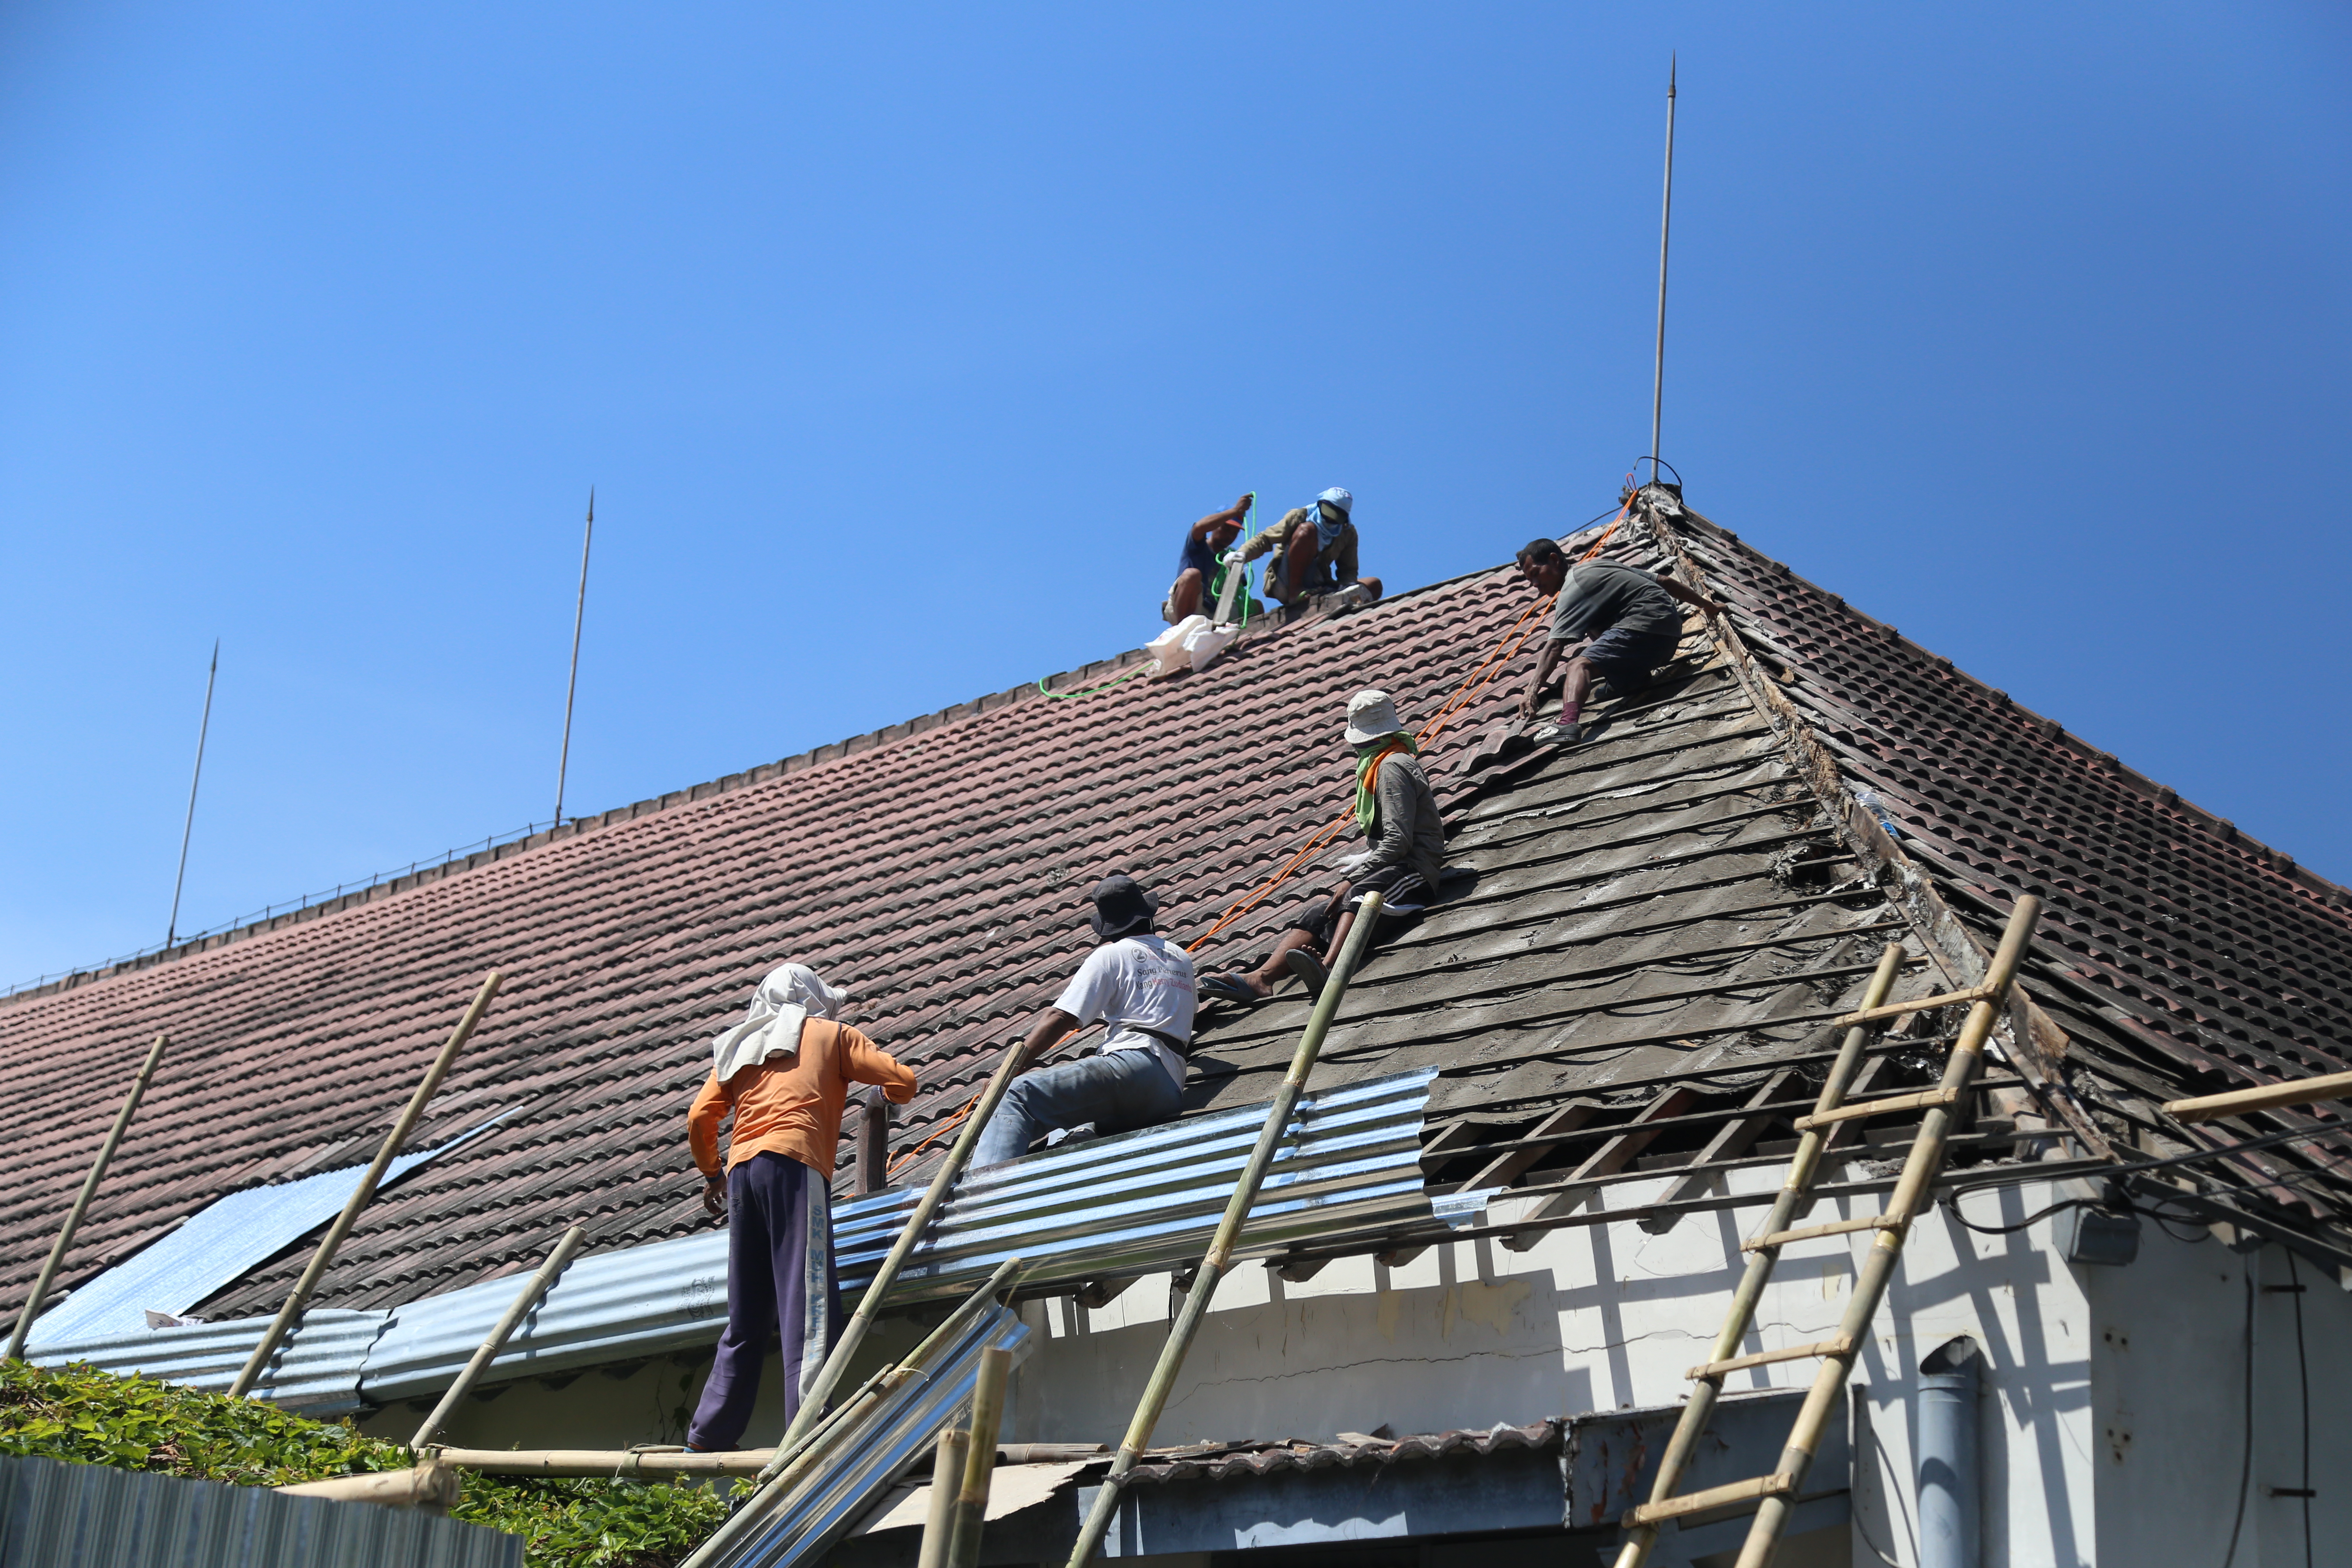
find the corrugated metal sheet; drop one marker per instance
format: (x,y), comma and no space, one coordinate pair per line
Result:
(1139,1201)
(58,1515)
(1151,1200)
(612,1306)
(318,1373)
(838,1494)
(1124,1205)
(218,1244)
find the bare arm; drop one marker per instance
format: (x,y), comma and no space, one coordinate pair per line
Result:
(1545,664)
(1050,1031)
(1216,519)
(1707,606)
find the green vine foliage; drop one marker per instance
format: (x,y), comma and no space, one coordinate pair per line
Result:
(80,1413)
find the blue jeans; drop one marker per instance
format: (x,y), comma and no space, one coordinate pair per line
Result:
(1118,1092)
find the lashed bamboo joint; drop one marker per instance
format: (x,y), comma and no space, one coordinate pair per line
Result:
(1841,1346)
(1753,1490)
(1831,1227)
(1893,1102)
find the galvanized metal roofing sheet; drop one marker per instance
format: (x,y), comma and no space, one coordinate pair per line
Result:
(318,1371)
(1099,1207)
(614,1306)
(857,1476)
(214,1249)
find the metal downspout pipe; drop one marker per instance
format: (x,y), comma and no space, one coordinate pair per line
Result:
(1948,1535)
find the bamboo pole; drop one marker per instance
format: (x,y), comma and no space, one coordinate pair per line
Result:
(81,1204)
(1692,1425)
(291,1313)
(980,1462)
(2297,1092)
(853,1334)
(654,1462)
(534,1291)
(947,1481)
(1219,1258)
(1911,1192)
(792,1462)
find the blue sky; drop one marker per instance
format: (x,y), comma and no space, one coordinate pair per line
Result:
(902,342)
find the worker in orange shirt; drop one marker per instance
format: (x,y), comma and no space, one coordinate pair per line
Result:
(783,1073)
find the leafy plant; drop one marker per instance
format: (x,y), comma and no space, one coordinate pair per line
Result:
(87,1416)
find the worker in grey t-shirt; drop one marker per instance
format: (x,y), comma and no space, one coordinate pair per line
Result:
(1625,620)
(1140,986)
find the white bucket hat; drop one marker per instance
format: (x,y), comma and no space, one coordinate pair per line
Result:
(1338,498)
(1371,716)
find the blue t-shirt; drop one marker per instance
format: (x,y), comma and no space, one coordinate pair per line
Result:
(1198,555)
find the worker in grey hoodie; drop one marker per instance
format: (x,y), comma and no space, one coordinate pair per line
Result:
(1404,859)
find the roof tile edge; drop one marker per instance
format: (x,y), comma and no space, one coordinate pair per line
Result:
(2335,895)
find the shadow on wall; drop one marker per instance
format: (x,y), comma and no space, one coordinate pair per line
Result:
(1361,1346)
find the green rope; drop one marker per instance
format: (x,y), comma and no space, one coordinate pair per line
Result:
(1139,669)
(1105,686)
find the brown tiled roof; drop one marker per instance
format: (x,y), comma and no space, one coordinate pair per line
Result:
(1249,1461)
(1658,923)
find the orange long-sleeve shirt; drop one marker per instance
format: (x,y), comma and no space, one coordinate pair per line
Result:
(792,1110)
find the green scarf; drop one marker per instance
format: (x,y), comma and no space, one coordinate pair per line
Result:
(1367,759)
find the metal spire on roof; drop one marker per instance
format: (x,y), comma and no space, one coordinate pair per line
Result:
(1666,226)
(172,928)
(579,614)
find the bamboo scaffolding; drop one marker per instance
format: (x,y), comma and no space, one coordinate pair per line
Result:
(299,1297)
(947,1481)
(869,1305)
(1705,1388)
(1219,1258)
(794,1460)
(2297,1092)
(1777,1494)
(534,1291)
(653,1462)
(34,1302)
(980,1462)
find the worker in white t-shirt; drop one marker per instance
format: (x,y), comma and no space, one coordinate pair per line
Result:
(1142,987)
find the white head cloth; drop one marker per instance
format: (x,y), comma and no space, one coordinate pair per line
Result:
(772,1028)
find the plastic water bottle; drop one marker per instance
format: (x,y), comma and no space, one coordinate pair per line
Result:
(1869,801)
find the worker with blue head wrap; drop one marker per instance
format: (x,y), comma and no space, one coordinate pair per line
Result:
(1313,550)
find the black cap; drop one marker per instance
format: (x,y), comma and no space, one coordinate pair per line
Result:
(1121,907)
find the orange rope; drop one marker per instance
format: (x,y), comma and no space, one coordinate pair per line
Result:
(1473,685)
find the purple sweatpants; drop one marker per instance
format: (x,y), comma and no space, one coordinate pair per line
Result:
(780,1276)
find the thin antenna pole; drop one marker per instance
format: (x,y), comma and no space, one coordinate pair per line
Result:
(172,930)
(1666,227)
(579,614)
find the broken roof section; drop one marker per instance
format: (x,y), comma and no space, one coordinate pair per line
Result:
(1657,925)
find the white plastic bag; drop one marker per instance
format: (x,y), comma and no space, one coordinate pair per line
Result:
(1169,647)
(1192,643)
(1203,646)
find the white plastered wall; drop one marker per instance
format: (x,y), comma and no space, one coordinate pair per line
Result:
(1609,1316)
